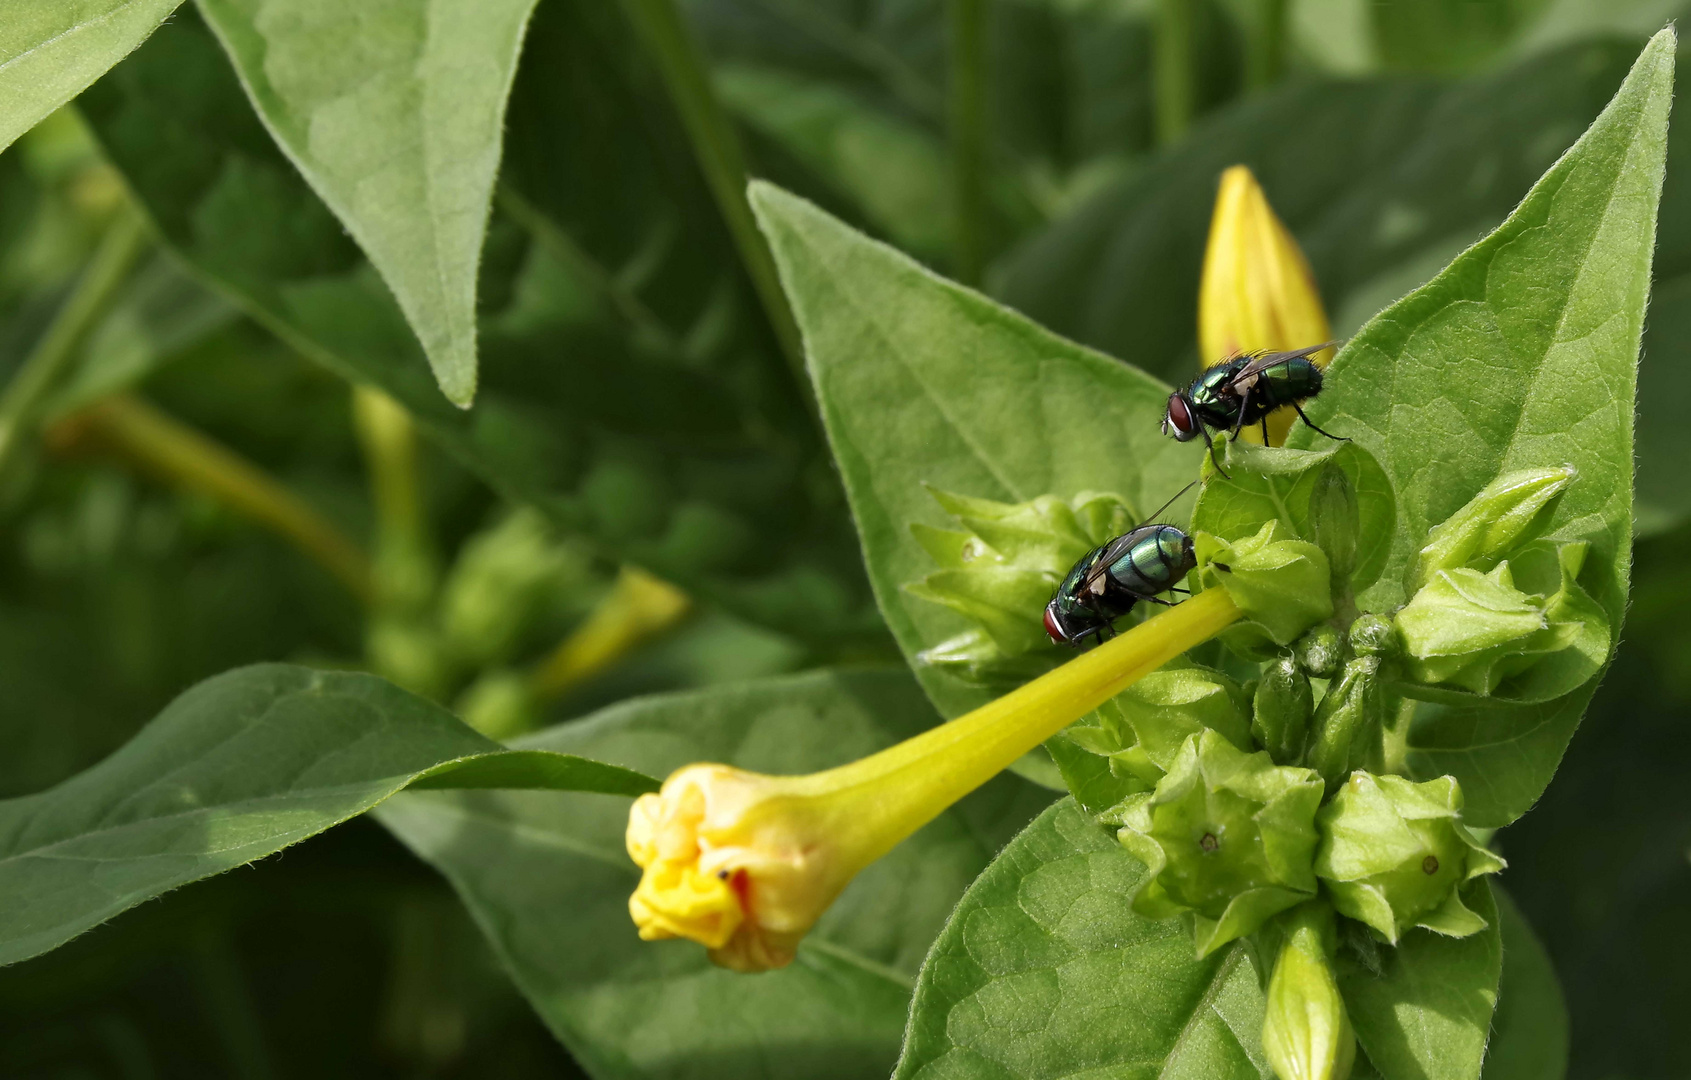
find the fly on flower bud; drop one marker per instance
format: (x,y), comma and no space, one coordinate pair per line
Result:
(1306,1033)
(1395,854)
(1228,838)
(1257,293)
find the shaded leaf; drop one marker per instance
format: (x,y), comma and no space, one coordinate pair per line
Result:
(1044,971)
(394,113)
(696,465)
(548,879)
(1427,1012)
(1529,1031)
(50,51)
(238,768)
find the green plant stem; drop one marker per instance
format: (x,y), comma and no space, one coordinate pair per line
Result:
(1265,43)
(716,146)
(45,366)
(638,608)
(967,117)
(1175,68)
(404,563)
(174,452)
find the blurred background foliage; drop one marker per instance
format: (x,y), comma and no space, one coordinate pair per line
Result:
(202,489)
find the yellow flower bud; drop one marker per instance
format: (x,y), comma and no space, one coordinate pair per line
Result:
(1257,293)
(745,864)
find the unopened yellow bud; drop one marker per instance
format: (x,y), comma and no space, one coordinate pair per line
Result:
(745,864)
(1257,293)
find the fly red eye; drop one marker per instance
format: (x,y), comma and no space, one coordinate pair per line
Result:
(1053,628)
(1179,419)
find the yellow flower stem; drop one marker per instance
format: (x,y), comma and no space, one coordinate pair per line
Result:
(917,779)
(164,446)
(636,610)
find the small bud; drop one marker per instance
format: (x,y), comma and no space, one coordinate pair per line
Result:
(1394,853)
(1306,1032)
(1373,635)
(1164,708)
(1334,521)
(1228,838)
(1473,630)
(1003,601)
(1347,724)
(1282,586)
(975,658)
(1511,511)
(1283,704)
(499,581)
(1320,652)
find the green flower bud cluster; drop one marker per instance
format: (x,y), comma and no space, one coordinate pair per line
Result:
(1282,584)
(1470,624)
(999,572)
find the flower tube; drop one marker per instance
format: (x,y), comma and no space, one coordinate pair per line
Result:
(745,863)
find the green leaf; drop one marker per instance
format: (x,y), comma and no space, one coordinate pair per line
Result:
(1045,972)
(627,386)
(893,169)
(1529,1032)
(1120,273)
(548,880)
(51,51)
(923,382)
(1426,1013)
(238,768)
(1521,354)
(394,113)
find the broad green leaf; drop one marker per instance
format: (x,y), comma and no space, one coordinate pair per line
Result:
(895,171)
(393,111)
(238,768)
(628,387)
(1426,1013)
(1424,165)
(1529,1031)
(1522,353)
(548,879)
(1044,971)
(923,382)
(51,50)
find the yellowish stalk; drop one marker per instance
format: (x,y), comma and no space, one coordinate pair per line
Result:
(746,863)
(176,453)
(916,780)
(637,609)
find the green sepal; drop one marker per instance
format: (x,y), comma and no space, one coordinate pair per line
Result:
(1157,714)
(1306,1031)
(1001,571)
(1282,707)
(1283,586)
(1228,839)
(1508,513)
(500,582)
(1481,633)
(1345,733)
(1394,854)
(1334,521)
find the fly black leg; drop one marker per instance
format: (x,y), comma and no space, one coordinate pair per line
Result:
(1154,600)
(1265,429)
(1210,443)
(1311,423)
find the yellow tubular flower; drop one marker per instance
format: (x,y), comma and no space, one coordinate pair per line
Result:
(1257,292)
(745,864)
